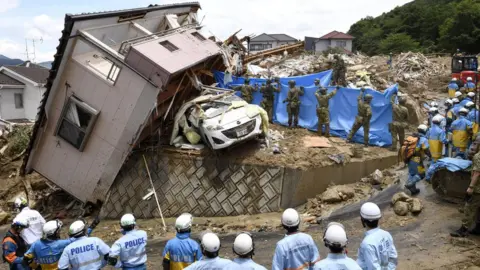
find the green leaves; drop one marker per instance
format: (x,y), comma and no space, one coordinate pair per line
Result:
(422,25)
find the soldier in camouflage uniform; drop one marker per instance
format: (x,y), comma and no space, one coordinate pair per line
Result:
(293,106)
(363,117)
(323,113)
(472,198)
(246,91)
(400,121)
(268,96)
(339,70)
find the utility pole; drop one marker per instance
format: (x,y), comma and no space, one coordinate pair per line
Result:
(27,52)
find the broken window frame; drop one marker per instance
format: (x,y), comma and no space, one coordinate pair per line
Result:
(198,36)
(113,72)
(18,98)
(87,131)
(169,46)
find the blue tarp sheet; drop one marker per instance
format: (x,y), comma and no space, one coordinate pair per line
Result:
(343,106)
(451,164)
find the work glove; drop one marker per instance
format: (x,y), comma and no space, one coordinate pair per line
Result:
(95,222)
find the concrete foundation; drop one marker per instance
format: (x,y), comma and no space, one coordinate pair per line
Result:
(207,186)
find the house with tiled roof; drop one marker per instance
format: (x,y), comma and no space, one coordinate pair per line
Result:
(270,41)
(21,89)
(334,39)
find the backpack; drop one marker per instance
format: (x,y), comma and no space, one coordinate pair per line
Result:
(408,148)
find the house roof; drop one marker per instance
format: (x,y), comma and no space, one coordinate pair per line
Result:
(38,75)
(336,35)
(66,32)
(30,64)
(7,80)
(274,37)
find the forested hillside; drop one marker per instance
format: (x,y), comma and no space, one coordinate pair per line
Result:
(422,25)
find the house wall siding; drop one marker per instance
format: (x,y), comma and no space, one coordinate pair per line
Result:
(7,104)
(31,100)
(90,173)
(323,45)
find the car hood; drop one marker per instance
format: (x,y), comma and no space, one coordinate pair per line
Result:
(231,116)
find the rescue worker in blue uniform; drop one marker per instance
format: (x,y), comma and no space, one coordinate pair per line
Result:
(456,107)
(210,245)
(416,168)
(84,253)
(181,251)
(461,133)
(473,116)
(335,239)
(437,138)
(13,246)
(377,250)
(470,85)
(452,88)
(130,251)
(470,97)
(431,113)
(297,250)
(244,248)
(448,113)
(47,251)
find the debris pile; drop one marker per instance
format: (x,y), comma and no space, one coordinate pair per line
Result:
(416,68)
(404,204)
(13,142)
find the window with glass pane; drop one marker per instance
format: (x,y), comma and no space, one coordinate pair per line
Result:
(76,122)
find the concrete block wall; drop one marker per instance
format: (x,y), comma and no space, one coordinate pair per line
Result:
(198,185)
(209,186)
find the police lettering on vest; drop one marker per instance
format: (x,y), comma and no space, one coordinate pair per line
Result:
(82,249)
(133,243)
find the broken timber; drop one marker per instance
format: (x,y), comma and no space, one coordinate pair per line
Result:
(289,47)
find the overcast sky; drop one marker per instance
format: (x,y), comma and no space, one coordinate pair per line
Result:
(35,19)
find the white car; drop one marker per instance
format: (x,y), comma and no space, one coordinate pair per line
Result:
(220,127)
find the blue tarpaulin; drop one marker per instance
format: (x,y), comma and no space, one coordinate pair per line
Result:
(343,106)
(451,164)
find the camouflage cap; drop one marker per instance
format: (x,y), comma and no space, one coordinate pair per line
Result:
(247,80)
(269,81)
(323,89)
(291,82)
(402,100)
(368,97)
(317,80)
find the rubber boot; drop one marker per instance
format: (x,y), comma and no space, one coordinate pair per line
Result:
(289,122)
(413,189)
(476,230)
(462,232)
(327,131)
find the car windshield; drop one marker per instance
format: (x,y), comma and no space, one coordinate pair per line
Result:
(217,107)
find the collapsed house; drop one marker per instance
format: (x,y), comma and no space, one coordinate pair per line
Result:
(115,74)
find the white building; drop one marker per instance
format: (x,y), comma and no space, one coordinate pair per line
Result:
(270,41)
(21,89)
(333,39)
(114,77)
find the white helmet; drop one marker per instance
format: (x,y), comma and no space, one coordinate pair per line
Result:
(471,94)
(127,220)
(458,94)
(20,202)
(371,211)
(455,100)
(433,110)
(448,101)
(463,110)
(20,222)
(52,227)
(335,235)
(469,104)
(469,79)
(454,79)
(183,222)
(290,218)
(210,242)
(437,119)
(77,228)
(243,244)
(433,104)
(422,128)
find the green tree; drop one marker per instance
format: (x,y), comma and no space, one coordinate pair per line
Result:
(396,43)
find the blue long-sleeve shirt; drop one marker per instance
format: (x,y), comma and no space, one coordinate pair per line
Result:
(182,251)
(131,249)
(294,251)
(465,101)
(377,251)
(337,262)
(248,264)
